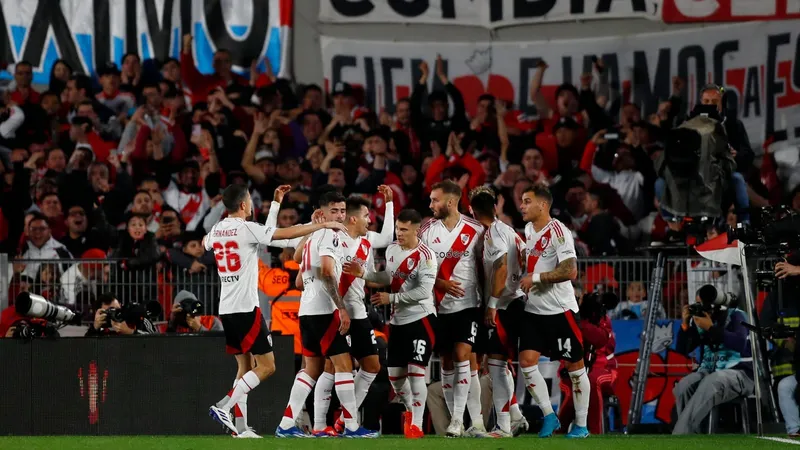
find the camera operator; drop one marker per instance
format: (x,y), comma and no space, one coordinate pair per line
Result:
(14,325)
(111,318)
(725,371)
(599,342)
(783,311)
(187,316)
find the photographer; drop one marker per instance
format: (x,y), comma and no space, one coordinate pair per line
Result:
(14,325)
(187,316)
(599,342)
(111,318)
(725,371)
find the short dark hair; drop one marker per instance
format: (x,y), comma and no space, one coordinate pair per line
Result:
(290,205)
(331,197)
(125,56)
(541,192)
(151,84)
(483,204)
(448,187)
(106,298)
(312,87)
(23,63)
(83,82)
(49,93)
(489,97)
(354,205)
(37,216)
(410,215)
(233,196)
(142,191)
(599,196)
(147,178)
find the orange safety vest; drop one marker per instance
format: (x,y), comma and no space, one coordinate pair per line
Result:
(272,281)
(286,319)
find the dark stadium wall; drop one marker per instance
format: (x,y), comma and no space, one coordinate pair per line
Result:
(160,385)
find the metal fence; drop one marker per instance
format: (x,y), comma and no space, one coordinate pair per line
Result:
(76,282)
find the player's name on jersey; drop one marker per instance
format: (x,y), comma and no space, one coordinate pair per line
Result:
(226,233)
(229,278)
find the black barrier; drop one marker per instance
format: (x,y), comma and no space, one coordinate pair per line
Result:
(129,385)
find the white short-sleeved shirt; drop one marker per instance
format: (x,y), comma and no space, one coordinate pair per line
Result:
(235,244)
(547,248)
(413,274)
(501,241)
(316,300)
(456,254)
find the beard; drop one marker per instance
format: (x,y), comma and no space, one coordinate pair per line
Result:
(441,213)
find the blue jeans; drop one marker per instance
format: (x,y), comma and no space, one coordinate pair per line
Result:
(741,200)
(788,405)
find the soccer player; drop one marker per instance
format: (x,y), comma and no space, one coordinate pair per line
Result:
(411,273)
(455,239)
(550,317)
(324,323)
(357,244)
(235,243)
(503,268)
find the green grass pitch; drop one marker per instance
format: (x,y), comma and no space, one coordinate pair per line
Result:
(610,442)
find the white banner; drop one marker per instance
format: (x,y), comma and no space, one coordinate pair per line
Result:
(484,13)
(89,33)
(756,62)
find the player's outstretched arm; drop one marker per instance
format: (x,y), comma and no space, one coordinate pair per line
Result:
(566,270)
(303,230)
(378,277)
(298,251)
(499,281)
(386,236)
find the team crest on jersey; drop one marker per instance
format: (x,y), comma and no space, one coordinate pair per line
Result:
(410,264)
(464,238)
(545,241)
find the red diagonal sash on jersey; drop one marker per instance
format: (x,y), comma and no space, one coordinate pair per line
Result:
(449,264)
(538,249)
(405,268)
(191,207)
(361,255)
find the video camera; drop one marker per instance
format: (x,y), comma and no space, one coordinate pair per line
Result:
(133,313)
(775,229)
(710,299)
(779,331)
(46,317)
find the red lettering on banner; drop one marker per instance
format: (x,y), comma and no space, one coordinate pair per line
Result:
(735,78)
(790,96)
(402,92)
(678,11)
(472,87)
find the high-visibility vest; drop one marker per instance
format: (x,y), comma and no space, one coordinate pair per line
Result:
(285,318)
(273,281)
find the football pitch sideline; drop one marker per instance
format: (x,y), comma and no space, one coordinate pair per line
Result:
(607,442)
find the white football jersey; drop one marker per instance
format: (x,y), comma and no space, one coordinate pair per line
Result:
(235,244)
(456,253)
(546,249)
(501,241)
(413,274)
(352,288)
(316,300)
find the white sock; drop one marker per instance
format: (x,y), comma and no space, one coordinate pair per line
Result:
(447,388)
(516,414)
(240,412)
(246,384)
(580,395)
(538,388)
(303,385)
(322,400)
(419,392)
(401,385)
(363,381)
(501,396)
(461,386)
(345,390)
(474,400)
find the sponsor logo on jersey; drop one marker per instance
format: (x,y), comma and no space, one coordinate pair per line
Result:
(229,278)
(344,244)
(391,259)
(452,254)
(437,241)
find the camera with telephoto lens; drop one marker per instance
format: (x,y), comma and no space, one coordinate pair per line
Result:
(32,305)
(710,299)
(29,330)
(775,229)
(133,313)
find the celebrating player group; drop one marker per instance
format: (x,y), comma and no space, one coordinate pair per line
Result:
(468,288)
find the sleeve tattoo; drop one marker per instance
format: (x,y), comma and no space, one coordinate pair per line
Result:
(332,287)
(566,270)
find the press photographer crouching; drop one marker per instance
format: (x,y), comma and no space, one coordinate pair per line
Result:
(726,373)
(187,316)
(33,316)
(113,318)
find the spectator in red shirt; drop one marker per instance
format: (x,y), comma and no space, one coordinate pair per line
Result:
(50,205)
(24,93)
(201,85)
(83,135)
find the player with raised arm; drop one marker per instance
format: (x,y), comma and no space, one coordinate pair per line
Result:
(411,274)
(324,323)
(550,318)
(235,243)
(357,246)
(455,241)
(503,268)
